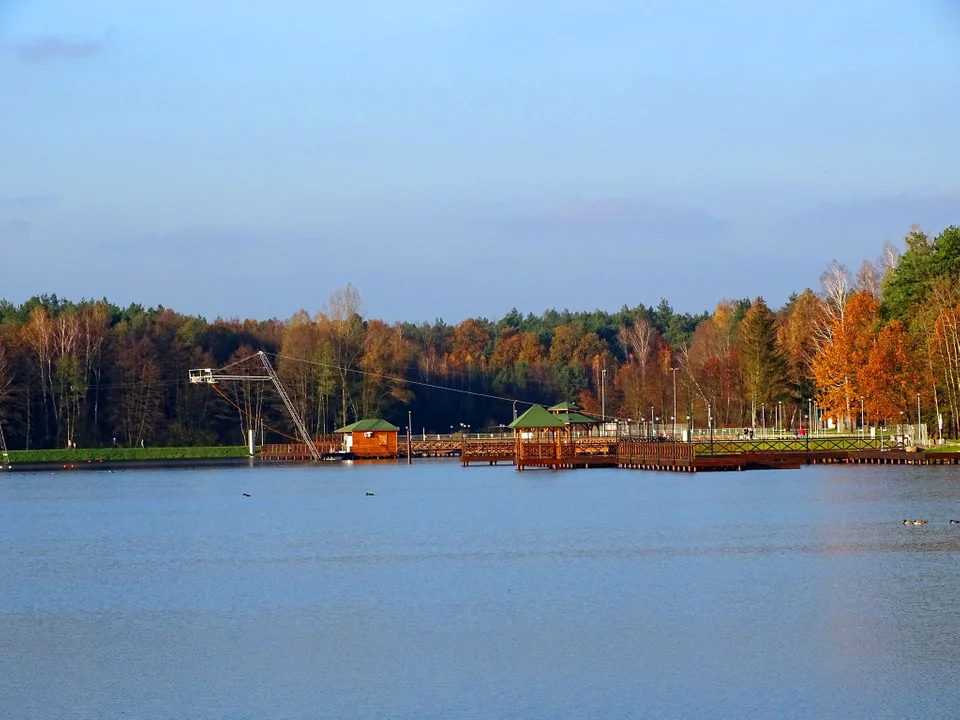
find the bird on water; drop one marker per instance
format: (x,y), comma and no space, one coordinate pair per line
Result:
(369,494)
(955,522)
(246,494)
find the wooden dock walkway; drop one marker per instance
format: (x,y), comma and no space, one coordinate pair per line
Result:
(653,454)
(642,453)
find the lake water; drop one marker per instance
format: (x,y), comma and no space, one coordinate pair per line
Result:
(480,593)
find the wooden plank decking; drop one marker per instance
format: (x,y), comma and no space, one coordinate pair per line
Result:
(645,453)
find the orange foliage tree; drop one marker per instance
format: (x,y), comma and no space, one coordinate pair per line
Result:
(889,379)
(837,366)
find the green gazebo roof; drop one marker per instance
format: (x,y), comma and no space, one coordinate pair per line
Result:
(564,407)
(576,418)
(368,425)
(537,417)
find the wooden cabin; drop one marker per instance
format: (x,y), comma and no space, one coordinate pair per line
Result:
(370,438)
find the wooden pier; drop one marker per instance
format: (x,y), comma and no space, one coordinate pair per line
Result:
(639,453)
(656,454)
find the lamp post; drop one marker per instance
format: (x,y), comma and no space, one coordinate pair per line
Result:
(918,419)
(674,370)
(863,424)
(514,409)
(651,421)
(603,399)
(763,420)
(710,423)
(780,417)
(689,430)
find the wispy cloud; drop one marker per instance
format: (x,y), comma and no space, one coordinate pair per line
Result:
(27,202)
(53,47)
(630,218)
(640,216)
(14,227)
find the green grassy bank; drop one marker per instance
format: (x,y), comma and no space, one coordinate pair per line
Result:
(83,455)
(947,447)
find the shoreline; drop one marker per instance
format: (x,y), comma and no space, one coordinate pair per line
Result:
(136,464)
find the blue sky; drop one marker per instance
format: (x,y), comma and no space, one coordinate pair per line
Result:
(457,159)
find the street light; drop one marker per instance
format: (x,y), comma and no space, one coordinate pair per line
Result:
(674,370)
(710,424)
(863,425)
(603,398)
(918,419)
(651,421)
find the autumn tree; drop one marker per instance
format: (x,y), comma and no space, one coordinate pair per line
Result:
(890,377)
(711,366)
(384,360)
(837,365)
(797,340)
(346,338)
(764,368)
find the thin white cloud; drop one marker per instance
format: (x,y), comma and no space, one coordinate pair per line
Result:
(52,47)
(27,202)
(14,227)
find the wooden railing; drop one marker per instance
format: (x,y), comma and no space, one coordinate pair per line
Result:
(653,452)
(325,444)
(805,444)
(535,450)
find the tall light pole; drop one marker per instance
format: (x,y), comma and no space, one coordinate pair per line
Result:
(918,419)
(651,421)
(603,399)
(710,423)
(674,402)
(863,424)
(763,420)
(514,409)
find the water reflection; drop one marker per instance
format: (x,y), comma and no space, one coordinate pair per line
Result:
(479,592)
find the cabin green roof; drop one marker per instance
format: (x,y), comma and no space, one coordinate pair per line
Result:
(564,407)
(537,417)
(368,425)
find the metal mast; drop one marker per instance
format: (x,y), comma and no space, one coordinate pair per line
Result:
(212,377)
(3,447)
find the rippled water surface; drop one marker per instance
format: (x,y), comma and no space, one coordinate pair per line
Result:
(480,593)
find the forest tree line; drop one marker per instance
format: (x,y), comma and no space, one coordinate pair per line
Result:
(863,346)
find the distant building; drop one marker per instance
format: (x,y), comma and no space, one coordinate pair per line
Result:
(370,438)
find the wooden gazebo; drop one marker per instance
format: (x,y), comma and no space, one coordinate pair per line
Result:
(542,438)
(578,423)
